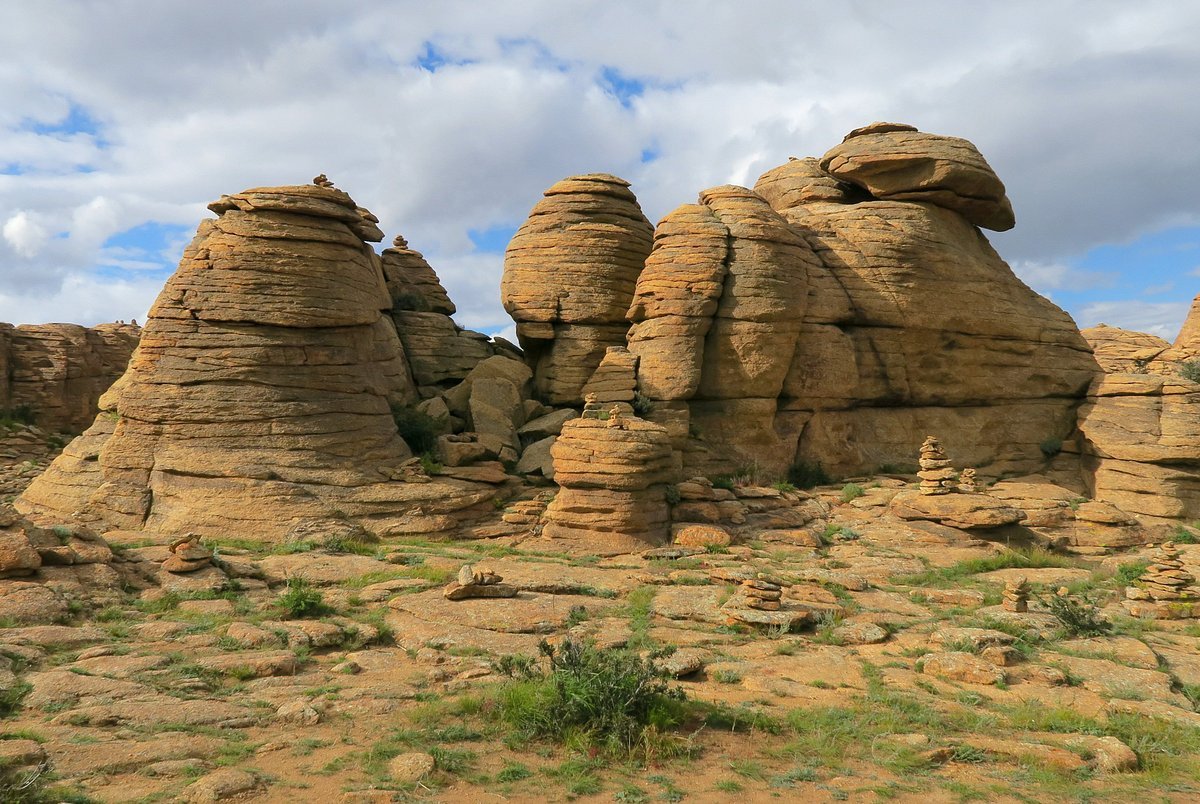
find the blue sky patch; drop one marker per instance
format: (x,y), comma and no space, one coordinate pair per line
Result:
(150,248)
(622,87)
(492,240)
(1161,266)
(77,121)
(432,58)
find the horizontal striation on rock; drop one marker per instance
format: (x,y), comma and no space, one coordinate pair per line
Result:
(260,395)
(569,275)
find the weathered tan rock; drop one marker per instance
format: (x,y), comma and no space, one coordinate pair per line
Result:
(1141,443)
(612,495)
(55,373)
(956,510)
(259,395)
(962,666)
(615,379)
(896,162)
(1121,350)
(716,317)
(412,282)
(916,325)
(569,276)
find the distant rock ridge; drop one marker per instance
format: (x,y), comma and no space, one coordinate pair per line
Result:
(258,400)
(55,373)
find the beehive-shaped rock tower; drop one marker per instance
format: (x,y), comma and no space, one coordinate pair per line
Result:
(259,397)
(569,275)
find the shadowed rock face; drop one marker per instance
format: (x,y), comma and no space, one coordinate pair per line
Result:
(569,276)
(59,371)
(258,398)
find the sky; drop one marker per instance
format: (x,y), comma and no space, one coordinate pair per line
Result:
(121,119)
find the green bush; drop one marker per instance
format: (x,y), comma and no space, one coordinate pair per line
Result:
(418,429)
(804,475)
(642,405)
(612,700)
(1183,536)
(1190,370)
(852,491)
(21,414)
(302,599)
(1051,447)
(673,497)
(1079,617)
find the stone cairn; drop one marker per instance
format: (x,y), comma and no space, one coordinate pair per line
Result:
(527,512)
(937,476)
(410,471)
(321,180)
(1016,595)
(614,418)
(478,583)
(966,481)
(187,555)
(758,593)
(593,408)
(1165,580)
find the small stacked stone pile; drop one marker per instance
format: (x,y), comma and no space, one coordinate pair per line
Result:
(615,379)
(321,180)
(411,471)
(1165,579)
(592,407)
(478,583)
(615,419)
(527,512)
(966,481)
(1016,595)
(758,593)
(937,476)
(187,555)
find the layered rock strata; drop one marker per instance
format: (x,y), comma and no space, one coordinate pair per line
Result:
(716,319)
(569,276)
(914,323)
(612,485)
(55,373)
(439,352)
(258,400)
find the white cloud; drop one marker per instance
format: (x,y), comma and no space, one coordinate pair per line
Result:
(25,234)
(273,92)
(1163,319)
(83,299)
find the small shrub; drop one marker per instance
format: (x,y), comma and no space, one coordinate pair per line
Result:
(418,429)
(673,497)
(1079,617)
(723,482)
(430,465)
(783,486)
(1183,536)
(804,475)
(642,405)
(615,700)
(1190,370)
(411,301)
(302,599)
(852,491)
(1130,572)
(1051,447)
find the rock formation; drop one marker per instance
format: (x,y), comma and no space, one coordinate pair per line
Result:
(55,373)
(865,274)
(569,275)
(258,399)
(472,583)
(914,322)
(612,485)
(439,352)
(1139,431)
